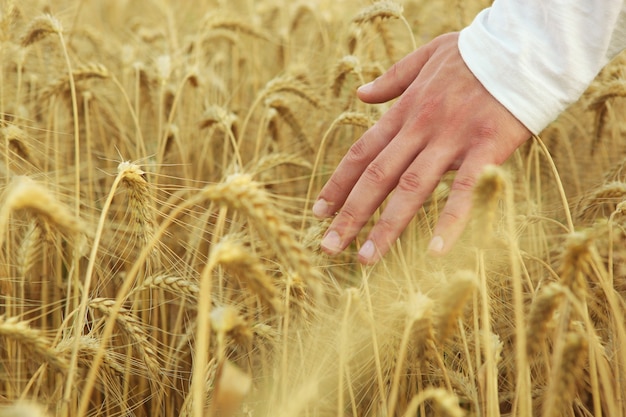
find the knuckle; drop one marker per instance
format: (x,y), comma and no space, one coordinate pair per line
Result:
(348,214)
(410,182)
(375,174)
(333,185)
(386,224)
(486,131)
(427,110)
(350,219)
(449,217)
(463,183)
(358,152)
(393,71)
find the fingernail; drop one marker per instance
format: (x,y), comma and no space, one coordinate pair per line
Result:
(366,88)
(367,251)
(320,208)
(332,242)
(436,245)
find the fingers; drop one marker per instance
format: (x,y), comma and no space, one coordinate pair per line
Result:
(413,188)
(377,180)
(444,119)
(335,192)
(456,213)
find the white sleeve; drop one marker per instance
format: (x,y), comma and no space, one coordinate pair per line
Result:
(536,57)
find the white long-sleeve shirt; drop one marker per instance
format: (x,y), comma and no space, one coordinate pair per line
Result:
(536,57)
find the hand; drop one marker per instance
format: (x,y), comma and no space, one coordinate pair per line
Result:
(444,119)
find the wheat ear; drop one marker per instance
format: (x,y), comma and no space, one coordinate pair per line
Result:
(134,330)
(39,28)
(176,285)
(418,328)
(576,263)
(384,9)
(140,204)
(602,201)
(62,85)
(32,339)
(450,306)
(30,248)
(17,140)
(540,315)
(487,194)
(25,194)
(235,24)
(287,84)
(241,263)
(88,346)
(23,409)
(565,375)
(241,193)
(348,64)
(283,108)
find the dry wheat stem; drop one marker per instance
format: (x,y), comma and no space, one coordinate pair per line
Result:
(124,290)
(203,335)
(557,177)
(419,310)
(80,318)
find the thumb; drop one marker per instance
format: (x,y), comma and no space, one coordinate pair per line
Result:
(397,78)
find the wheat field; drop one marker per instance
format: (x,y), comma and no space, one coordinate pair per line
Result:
(158,255)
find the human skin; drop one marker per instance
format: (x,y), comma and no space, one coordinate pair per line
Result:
(444,119)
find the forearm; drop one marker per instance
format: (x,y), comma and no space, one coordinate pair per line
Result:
(536,57)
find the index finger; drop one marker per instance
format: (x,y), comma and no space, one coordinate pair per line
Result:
(336,190)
